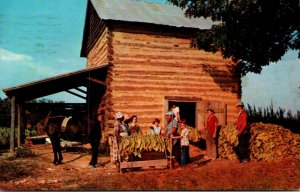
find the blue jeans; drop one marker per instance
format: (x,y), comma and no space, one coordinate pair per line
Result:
(185,155)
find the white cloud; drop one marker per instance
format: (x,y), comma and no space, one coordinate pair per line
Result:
(7,56)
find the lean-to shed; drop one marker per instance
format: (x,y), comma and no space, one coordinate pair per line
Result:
(152,64)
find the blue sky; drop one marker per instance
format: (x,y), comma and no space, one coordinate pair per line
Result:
(42,38)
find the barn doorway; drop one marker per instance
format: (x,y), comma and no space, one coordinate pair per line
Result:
(187,111)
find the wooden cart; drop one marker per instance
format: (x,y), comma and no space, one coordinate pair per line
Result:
(149,159)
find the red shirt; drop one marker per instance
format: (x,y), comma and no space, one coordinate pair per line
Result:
(241,124)
(211,124)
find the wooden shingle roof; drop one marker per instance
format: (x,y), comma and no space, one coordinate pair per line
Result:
(147,12)
(138,12)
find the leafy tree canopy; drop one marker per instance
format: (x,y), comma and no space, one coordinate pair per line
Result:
(252,32)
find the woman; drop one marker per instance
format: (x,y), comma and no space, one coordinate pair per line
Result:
(133,126)
(120,131)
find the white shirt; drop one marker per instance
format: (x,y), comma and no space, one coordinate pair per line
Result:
(155,131)
(176,111)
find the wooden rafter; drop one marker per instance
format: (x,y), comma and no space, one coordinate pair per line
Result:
(80,90)
(96,81)
(76,94)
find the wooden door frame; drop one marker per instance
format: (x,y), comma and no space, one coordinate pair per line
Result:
(167,99)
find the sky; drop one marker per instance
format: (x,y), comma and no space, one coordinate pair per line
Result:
(42,38)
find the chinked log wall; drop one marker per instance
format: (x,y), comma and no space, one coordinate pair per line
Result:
(146,68)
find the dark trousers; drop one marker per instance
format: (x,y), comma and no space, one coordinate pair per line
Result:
(177,151)
(185,155)
(95,143)
(243,147)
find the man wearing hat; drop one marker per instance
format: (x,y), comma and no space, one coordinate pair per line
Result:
(171,130)
(171,122)
(243,134)
(211,131)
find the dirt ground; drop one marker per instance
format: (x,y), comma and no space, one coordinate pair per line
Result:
(38,173)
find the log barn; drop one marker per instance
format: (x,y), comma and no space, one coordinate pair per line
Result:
(140,62)
(152,64)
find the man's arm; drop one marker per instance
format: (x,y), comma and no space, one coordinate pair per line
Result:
(216,127)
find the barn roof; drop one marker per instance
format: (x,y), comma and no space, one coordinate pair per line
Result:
(59,83)
(147,12)
(140,12)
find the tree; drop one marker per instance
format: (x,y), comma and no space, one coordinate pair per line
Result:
(251,32)
(5,107)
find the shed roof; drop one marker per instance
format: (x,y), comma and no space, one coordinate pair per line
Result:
(56,84)
(147,12)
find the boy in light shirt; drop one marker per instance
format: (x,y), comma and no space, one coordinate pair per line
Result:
(184,142)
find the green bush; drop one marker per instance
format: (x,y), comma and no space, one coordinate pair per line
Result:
(4,136)
(31,132)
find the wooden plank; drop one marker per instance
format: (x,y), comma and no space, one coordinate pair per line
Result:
(132,164)
(39,137)
(183,99)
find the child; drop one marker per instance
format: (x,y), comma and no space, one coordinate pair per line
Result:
(184,142)
(155,129)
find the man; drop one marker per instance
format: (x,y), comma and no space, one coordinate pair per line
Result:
(95,137)
(243,133)
(176,111)
(171,123)
(211,131)
(171,130)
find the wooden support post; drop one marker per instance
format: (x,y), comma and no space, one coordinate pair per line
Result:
(12,126)
(171,158)
(23,123)
(19,125)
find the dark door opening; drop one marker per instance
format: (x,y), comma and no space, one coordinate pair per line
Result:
(187,111)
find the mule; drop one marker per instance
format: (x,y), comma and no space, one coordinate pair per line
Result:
(73,131)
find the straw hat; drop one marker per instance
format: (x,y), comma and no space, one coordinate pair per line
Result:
(240,104)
